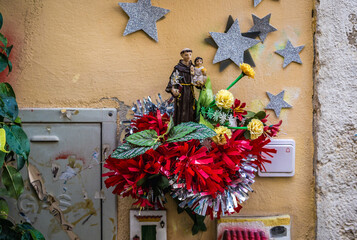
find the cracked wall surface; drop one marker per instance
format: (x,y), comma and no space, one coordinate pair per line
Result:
(73,54)
(335,119)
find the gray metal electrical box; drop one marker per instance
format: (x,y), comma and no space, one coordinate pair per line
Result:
(68,147)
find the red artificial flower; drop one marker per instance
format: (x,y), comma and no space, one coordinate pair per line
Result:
(127,172)
(156,122)
(143,202)
(196,167)
(238,109)
(272,130)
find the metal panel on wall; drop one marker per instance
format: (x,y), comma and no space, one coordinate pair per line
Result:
(67,149)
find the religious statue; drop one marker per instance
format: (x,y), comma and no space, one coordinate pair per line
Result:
(200,73)
(182,88)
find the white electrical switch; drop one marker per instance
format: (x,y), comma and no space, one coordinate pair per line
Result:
(283,162)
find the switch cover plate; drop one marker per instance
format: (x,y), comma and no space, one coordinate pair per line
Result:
(283,162)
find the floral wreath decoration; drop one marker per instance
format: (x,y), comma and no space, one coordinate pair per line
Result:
(208,166)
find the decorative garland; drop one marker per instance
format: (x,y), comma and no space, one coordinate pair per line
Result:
(207,167)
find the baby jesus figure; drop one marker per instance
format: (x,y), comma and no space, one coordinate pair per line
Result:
(200,73)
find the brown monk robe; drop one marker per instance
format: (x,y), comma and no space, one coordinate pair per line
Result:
(181,87)
(185,101)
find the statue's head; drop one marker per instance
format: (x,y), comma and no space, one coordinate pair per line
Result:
(186,54)
(198,61)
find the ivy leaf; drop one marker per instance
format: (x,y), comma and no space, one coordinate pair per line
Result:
(6,90)
(260,115)
(3,61)
(179,131)
(3,141)
(21,162)
(32,233)
(3,39)
(146,138)
(9,64)
(17,140)
(127,150)
(2,159)
(7,50)
(4,208)
(12,181)
(9,108)
(1,20)
(200,133)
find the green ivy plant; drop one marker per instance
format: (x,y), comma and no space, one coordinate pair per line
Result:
(14,153)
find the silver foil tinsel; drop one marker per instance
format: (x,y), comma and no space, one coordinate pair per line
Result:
(224,203)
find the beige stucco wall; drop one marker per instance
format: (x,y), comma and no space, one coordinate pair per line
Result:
(72,54)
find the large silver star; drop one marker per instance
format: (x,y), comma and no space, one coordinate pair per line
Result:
(290,54)
(262,25)
(231,45)
(143,16)
(277,102)
(256,2)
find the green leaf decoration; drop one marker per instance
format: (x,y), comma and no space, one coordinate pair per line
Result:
(247,134)
(170,125)
(17,140)
(9,64)
(3,141)
(3,39)
(12,181)
(179,131)
(9,108)
(146,138)
(3,61)
(4,208)
(6,90)
(260,115)
(128,150)
(205,122)
(249,114)
(200,133)
(206,94)
(1,21)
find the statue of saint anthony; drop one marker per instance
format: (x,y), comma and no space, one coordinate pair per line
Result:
(181,87)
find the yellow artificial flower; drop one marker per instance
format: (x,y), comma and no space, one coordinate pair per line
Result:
(256,128)
(247,70)
(224,99)
(220,138)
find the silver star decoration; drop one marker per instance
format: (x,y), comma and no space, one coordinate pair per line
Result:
(262,25)
(256,2)
(143,16)
(290,54)
(231,45)
(277,102)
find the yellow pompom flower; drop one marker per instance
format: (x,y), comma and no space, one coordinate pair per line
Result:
(224,99)
(247,70)
(220,138)
(256,128)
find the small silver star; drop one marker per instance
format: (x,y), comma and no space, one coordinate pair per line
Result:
(231,45)
(290,54)
(256,2)
(262,25)
(143,16)
(277,102)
